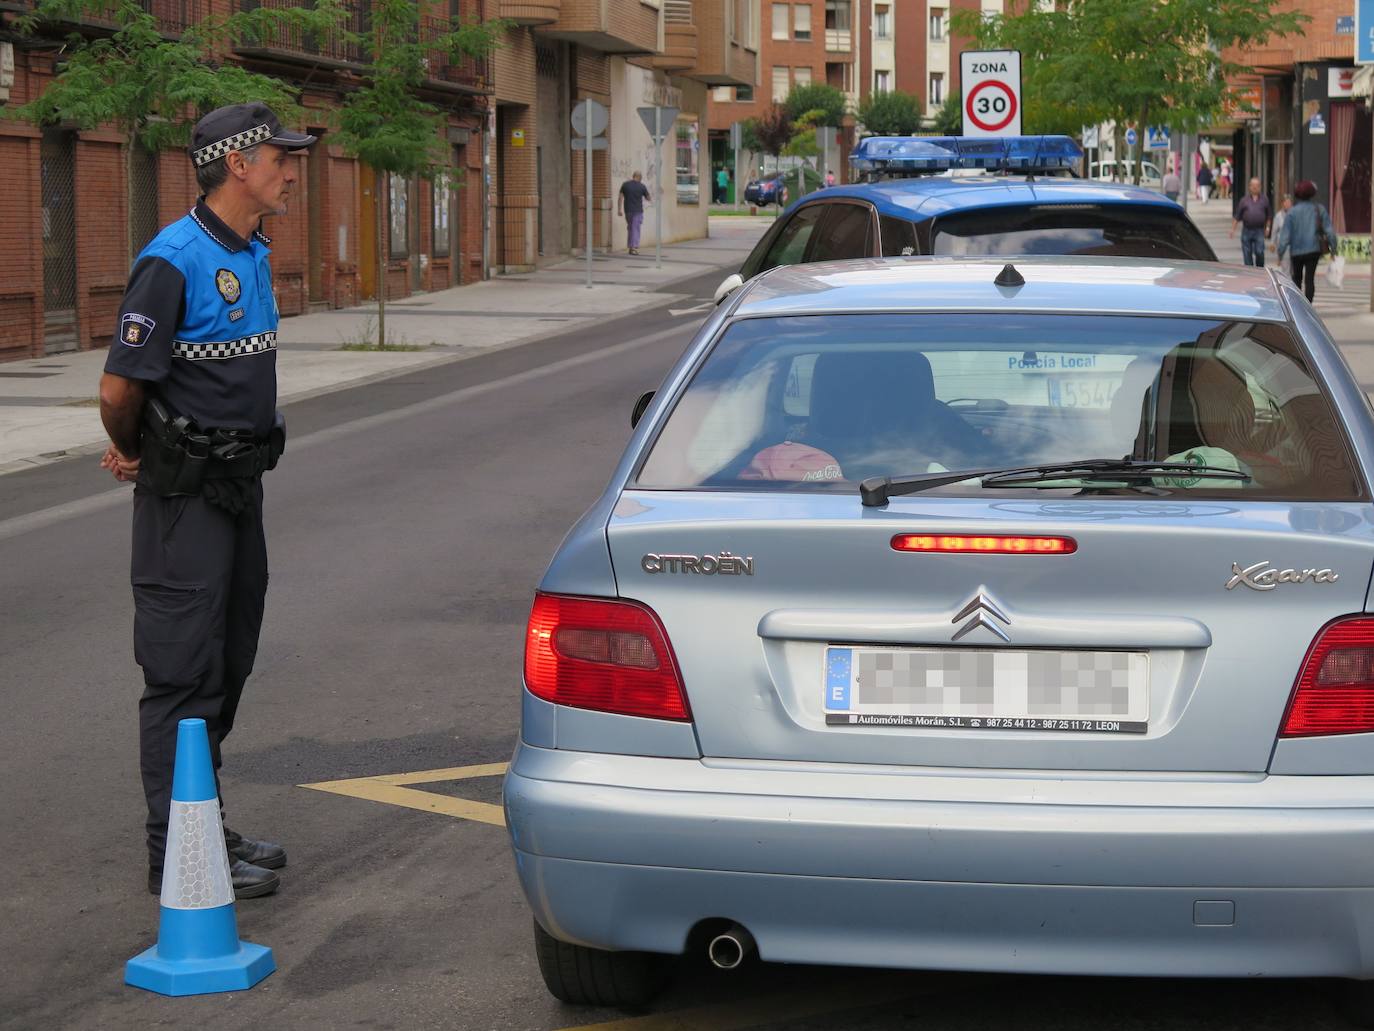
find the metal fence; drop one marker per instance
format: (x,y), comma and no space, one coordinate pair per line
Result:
(143,206)
(58,172)
(334,45)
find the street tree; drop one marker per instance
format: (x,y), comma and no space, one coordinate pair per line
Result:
(824,104)
(890,113)
(1141,61)
(384,123)
(949,120)
(773,129)
(151,87)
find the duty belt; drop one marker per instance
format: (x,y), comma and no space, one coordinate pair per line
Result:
(232,455)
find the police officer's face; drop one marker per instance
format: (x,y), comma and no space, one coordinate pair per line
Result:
(270,178)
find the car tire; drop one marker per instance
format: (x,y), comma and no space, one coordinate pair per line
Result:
(583,976)
(1357,1003)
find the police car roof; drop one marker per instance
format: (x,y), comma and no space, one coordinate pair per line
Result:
(922,197)
(1143,286)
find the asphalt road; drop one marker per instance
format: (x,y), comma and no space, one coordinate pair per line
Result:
(408,525)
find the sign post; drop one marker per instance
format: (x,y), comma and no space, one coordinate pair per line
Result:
(589,121)
(736,135)
(658,120)
(992,92)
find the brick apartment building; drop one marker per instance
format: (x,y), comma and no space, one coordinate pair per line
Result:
(75,216)
(857,46)
(1308,124)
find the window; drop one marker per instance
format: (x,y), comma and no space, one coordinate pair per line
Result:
(744,94)
(801,76)
(782,83)
(790,246)
(688,184)
(824,401)
(837,15)
(801,21)
(780,21)
(936,93)
(399,215)
(899,237)
(840,74)
(843,234)
(1124,230)
(722,94)
(441,198)
(937,23)
(882,21)
(882,82)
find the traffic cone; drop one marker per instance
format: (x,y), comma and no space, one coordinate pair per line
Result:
(198,949)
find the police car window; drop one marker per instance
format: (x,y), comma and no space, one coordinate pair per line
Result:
(821,402)
(1135,231)
(898,236)
(843,234)
(790,246)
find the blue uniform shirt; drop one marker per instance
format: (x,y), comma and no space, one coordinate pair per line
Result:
(199,322)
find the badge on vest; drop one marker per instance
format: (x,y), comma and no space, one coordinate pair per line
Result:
(135,328)
(228,285)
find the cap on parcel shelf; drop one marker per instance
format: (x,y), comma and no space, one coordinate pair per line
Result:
(238,127)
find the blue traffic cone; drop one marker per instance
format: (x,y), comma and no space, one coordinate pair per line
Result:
(198,949)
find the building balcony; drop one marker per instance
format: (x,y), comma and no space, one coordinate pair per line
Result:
(679,38)
(457,73)
(531,12)
(173,17)
(290,44)
(839,41)
(609,26)
(723,58)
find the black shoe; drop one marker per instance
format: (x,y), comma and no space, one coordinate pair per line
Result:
(249,881)
(259,853)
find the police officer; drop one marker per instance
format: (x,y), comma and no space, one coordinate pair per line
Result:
(189,400)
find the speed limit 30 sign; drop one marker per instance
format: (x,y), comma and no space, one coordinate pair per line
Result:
(991,81)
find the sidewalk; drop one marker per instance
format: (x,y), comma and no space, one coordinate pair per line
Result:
(49,410)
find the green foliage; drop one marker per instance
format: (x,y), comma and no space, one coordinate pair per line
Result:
(821,103)
(153,88)
(949,120)
(749,136)
(890,114)
(802,145)
(1087,61)
(383,123)
(773,129)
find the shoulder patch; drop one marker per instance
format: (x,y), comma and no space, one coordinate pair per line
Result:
(228,285)
(134,329)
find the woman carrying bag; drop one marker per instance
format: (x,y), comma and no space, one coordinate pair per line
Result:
(1307,234)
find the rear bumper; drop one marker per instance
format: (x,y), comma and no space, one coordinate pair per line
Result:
(942,871)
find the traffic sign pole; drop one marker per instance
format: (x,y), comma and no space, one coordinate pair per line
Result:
(589,120)
(658,187)
(587,178)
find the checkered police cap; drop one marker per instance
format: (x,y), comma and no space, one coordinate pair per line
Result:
(238,127)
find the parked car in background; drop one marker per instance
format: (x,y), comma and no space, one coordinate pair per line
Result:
(1124,171)
(771,189)
(960,196)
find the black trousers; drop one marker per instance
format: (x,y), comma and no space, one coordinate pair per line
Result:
(1306,265)
(200,579)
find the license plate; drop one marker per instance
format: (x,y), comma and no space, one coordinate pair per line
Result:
(1082,390)
(988,689)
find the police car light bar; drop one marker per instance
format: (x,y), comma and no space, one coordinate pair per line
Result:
(942,153)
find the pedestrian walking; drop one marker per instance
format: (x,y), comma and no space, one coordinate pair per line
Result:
(1255,216)
(722,185)
(1224,179)
(189,398)
(1204,182)
(1172,185)
(1280,217)
(630,203)
(1307,234)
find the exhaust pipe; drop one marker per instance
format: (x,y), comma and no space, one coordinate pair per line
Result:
(728,949)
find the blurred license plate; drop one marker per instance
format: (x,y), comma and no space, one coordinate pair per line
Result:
(1082,390)
(988,689)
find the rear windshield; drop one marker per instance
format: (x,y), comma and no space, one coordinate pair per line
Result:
(1124,230)
(819,403)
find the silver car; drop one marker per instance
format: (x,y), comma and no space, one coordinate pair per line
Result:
(956,615)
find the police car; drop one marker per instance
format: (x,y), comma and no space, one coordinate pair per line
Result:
(975,613)
(968,196)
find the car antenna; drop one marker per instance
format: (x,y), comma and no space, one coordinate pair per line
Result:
(1009,277)
(1035,161)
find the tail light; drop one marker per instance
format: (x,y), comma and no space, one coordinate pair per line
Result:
(987,545)
(611,656)
(1335,689)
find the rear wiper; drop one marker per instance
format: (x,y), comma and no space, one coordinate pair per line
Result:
(876,490)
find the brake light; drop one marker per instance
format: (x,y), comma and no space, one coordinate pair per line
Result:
(994,545)
(1334,693)
(611,656)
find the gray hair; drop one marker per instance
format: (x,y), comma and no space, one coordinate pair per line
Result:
(212,176)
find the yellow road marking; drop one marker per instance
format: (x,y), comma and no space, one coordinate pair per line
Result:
(767,1009)
(388,788)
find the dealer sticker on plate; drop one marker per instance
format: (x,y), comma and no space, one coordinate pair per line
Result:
(988,689)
